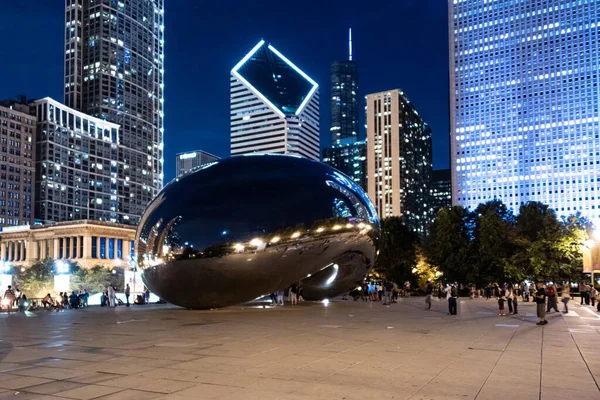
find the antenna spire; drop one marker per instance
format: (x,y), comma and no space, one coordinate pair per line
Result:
(350,44)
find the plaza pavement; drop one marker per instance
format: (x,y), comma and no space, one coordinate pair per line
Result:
(345,350)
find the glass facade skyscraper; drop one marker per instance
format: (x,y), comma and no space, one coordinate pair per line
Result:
(114,70)
(524,103)
(441,190)
(274,106)
(344,102)
(347,154)
(350,159)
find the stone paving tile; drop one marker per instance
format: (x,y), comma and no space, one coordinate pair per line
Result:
(88,392)
(22,382)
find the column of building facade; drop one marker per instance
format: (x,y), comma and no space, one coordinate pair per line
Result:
(3,251)
(56,248)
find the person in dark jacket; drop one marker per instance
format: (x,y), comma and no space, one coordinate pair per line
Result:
(74,300)
(540,301)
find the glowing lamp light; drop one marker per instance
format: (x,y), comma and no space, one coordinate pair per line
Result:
(256,242)
(295,235)
(62,267)
(361,225)
(239,247)
(275,239)
(348,226)
(337,227)
(320,230)
(325,302)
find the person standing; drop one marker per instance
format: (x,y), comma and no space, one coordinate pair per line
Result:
(280,298)
(501,305)
(111,296)
(407,289)
(593,294)
(300,293)
(9,298)
(508,292)
(525,292)
(428,291)
(127,293)
(582,292)
(540,301)
(566,296)
(515,303)
(552,298)
(379,292)
(365,291)
(294,294)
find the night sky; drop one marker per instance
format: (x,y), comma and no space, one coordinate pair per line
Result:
(397,44)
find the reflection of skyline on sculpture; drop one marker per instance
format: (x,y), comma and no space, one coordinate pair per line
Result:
(267,221)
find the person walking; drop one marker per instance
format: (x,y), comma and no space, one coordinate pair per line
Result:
(593,292)
(566,296)
(428,291)
(127,293)
(525,289)
(540,301)
(552,298)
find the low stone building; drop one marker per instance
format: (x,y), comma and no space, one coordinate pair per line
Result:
(87,242)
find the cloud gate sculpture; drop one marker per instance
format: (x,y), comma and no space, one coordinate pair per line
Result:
(247,226)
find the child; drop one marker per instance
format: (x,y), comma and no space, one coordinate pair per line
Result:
(501,304)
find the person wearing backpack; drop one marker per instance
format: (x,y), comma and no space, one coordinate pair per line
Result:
(452,299)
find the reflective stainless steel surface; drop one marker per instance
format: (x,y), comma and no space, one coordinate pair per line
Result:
(247,226)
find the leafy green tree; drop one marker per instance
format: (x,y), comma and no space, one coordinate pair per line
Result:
(95,279)
(449,245)
(37,280)
(397,251)
(494,241)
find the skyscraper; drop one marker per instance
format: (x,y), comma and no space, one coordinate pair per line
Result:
(344,100)
(346,153)
(17,155)
(114,57)
(524,103)
(441,190)
(75,165)
(274,106)
(186,162)
(399,160)
(351,159)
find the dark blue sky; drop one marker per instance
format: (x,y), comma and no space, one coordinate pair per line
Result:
(397,44)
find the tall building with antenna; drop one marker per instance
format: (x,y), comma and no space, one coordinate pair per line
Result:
(344,99)
(346,152)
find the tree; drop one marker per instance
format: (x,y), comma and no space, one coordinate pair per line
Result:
(494,241)
(424,271)
(449,244)
(397,251)
(94,280)
(37,280)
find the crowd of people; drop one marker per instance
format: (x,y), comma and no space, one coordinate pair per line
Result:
(15,299)
(294,295)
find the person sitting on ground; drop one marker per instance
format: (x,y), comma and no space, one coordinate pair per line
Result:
(48,301)
(74,300)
